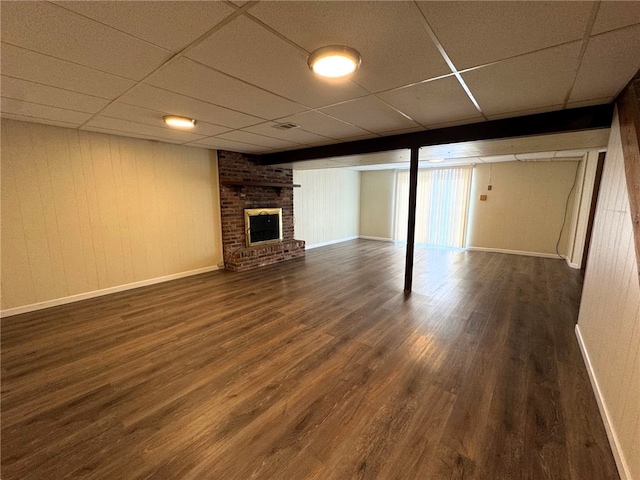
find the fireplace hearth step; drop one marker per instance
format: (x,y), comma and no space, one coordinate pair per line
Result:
(248,258)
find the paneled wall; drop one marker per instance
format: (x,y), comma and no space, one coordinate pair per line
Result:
(326,207)
(83,212)
(377,189)
(609,321)
(524,210)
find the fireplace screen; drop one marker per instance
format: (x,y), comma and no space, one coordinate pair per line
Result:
(263,225)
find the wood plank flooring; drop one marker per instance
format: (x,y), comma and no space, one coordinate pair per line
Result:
(317,368)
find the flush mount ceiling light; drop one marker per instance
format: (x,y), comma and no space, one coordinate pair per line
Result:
(334,61)
(436,160)
(179,122)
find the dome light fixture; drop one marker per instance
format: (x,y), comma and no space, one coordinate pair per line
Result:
(334,61)
(436,160)
(176,121)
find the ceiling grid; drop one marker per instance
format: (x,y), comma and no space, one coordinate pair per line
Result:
(118,67)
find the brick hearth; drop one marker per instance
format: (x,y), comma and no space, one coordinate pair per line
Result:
(237,167)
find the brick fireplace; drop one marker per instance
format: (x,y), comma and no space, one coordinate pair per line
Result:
(242,185)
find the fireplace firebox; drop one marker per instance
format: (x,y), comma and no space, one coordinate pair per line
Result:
(263,225)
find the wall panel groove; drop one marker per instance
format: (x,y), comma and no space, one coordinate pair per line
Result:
(327,205)
(609,321)
(83,212)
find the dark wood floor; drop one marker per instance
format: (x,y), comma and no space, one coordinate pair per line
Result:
(315,368)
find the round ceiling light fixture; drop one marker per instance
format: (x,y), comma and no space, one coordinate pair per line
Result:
(334,61)
(179,122)
(436,160)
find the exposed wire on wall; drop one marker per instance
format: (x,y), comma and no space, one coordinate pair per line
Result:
(566,209)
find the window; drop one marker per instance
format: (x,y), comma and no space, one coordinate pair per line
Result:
(442,206)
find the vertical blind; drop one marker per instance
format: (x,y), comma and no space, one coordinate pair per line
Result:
(441,209)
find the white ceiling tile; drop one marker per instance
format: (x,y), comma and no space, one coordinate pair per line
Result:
(370,113)
(43,112)
(22,118)
(535,160)
(222,144)
(535,80)
(254,139)
(296,135)
(610,61)
(535,156)
(450,162)
(55,97)
(395,47)
(377,158)
(248,51)
(162,100)
(498,158)
(571,153)
(433,102)
(260,86)
(475,33)
(324,125)
(168,24)
(484,151)
(385,166)
(374,159)
(312,165)
(63,34)
(24,64)
(194,80)
(566,159)
(452,150)
(154,118)
(118,133)
(588,139)
(430,159)
(123,127)
(612,15)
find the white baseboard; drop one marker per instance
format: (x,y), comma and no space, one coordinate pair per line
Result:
(514,252)
(330,242)
(618,455)
(572,265)
(377,239)
(98,293)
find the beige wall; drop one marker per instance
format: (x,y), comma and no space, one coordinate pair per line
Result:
(377,203)
(84,211)
(581,209)
(326,207)
(609,321)
(524,210)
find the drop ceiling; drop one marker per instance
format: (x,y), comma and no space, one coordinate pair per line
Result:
(240,67)
(563,147)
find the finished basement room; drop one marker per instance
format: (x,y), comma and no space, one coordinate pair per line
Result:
(330,240)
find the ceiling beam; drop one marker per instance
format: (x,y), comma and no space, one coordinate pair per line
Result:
(585,118)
